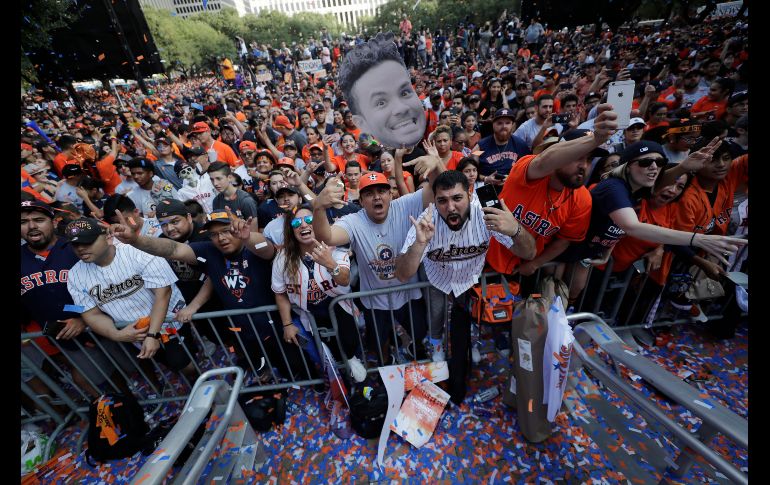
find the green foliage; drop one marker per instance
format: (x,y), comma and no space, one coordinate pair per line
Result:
(444,14)
(191,43)
(38,19)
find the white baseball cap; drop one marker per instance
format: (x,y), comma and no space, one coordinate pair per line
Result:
(547,67)
(540,78)
(504,69)
(476,74)
(636,121)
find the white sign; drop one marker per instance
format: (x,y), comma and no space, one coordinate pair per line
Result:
(263,78)
(311,65)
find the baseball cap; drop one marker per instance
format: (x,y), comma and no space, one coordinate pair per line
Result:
(162,139)
(576,133)
(504,69)
(247,145)
(197,106)
(539,78)
(27,147)
(266,153)
(636,121)
(290,144)
(592,94)
(547,67)
(282,122)
(589,60)
(216,217)
(738,97)
(84,230)
(178,166)
(318,107)
(200,127)
(171,207)
(503,113)
(319,146)
(641,147)
(476,74)
(37,205)
(286,162)
(71,170)
(371,179)
(289,188)
(551,140)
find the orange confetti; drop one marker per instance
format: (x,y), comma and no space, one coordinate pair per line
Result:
(235,329)
(232,350)
(139,58)
(145,38)
(101,57)
(529,405)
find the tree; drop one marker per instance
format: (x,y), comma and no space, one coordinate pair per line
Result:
(39,18)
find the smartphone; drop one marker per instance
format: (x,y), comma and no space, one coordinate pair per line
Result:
(499,176)
(621,95)
(52,328)
(639,266)
(488,197)
(563,118)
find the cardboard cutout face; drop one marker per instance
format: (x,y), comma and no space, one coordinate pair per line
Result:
(380,95)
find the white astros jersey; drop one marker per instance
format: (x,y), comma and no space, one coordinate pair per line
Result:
(122,289)
(453,260)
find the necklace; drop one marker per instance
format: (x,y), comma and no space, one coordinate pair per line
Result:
(560,202)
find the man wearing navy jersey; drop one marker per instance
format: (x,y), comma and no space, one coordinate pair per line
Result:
(45,264)
(501,149)
(452,250)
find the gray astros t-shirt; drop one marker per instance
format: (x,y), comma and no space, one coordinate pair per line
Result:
(376,247)
(244,205)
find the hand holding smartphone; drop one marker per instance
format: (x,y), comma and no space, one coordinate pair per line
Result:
(621,96)
(488,197)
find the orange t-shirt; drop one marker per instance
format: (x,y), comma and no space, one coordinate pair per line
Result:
(694,212)
(356,132)
(556,100)
(109,174)
(60,160)
(225,154)
(26,185)
(306,152)
(451,164)
(340,161)
(705,104)
(528,200)
(630,249)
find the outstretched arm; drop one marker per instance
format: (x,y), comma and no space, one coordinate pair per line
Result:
(127,231)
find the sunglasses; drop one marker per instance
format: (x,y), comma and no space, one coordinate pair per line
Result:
(297,221)
(646,162)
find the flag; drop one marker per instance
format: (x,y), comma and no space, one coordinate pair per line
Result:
(205,4)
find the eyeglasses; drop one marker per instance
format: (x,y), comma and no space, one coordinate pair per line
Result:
(297,221)
(646,162)
(247,153)
(216,235)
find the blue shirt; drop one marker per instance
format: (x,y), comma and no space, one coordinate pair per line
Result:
(608,196)
(500,159)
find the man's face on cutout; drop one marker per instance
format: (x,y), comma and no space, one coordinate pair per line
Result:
(389,107)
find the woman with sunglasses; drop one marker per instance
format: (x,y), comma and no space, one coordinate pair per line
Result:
(309,274)
(615,206)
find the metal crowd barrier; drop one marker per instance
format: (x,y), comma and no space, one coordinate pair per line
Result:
(716,418)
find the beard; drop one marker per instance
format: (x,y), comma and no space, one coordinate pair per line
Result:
(455,221)
(571,181)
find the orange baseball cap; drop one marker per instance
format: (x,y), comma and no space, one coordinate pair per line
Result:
(200,127)
(282,122)
(319,145)
(248,145)
(372,178)
(286,162)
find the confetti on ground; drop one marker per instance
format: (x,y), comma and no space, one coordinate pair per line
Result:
(482,443)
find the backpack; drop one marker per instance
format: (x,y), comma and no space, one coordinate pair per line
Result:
(368,409)
(116,428)
(263,409)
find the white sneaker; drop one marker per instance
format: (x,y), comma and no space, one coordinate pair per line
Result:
(438,350)
(357,369)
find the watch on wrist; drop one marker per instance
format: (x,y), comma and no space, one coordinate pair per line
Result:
(336,271)
(155,335)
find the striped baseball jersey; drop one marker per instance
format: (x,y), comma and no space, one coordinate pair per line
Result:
(122,288)
(453,260)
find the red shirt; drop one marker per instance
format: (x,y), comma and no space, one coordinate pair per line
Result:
(454,159)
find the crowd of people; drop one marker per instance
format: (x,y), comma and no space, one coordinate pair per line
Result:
(206,194)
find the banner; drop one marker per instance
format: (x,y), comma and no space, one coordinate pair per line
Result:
(311,65)
(263,78)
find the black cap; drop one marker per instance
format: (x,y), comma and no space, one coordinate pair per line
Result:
(84,230)
(71,170)
(318,107)
(162,139)
(503,113)
(642,147)
(188,152)
(178,166)
(592,94)
(171,207)
(737,97)
(39,206)
(289,188)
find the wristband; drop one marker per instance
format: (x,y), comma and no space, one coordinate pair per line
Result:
(692,239)
(288,324)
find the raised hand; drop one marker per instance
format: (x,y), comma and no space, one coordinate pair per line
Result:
(605,124)
(127,230)
(696,160)
(430,147)
(239,227)
(423,165)
(332,193)
(424,227)
(501,221)
(322,254)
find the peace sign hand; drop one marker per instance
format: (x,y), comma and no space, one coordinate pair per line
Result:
(424,227)
(127,230)
(696,160)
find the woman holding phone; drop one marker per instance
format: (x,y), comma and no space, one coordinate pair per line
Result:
(309,274)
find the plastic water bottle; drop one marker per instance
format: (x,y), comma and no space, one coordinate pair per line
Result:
(486,395)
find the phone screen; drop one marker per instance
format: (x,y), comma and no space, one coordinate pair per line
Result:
(488,197)
(621,96)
